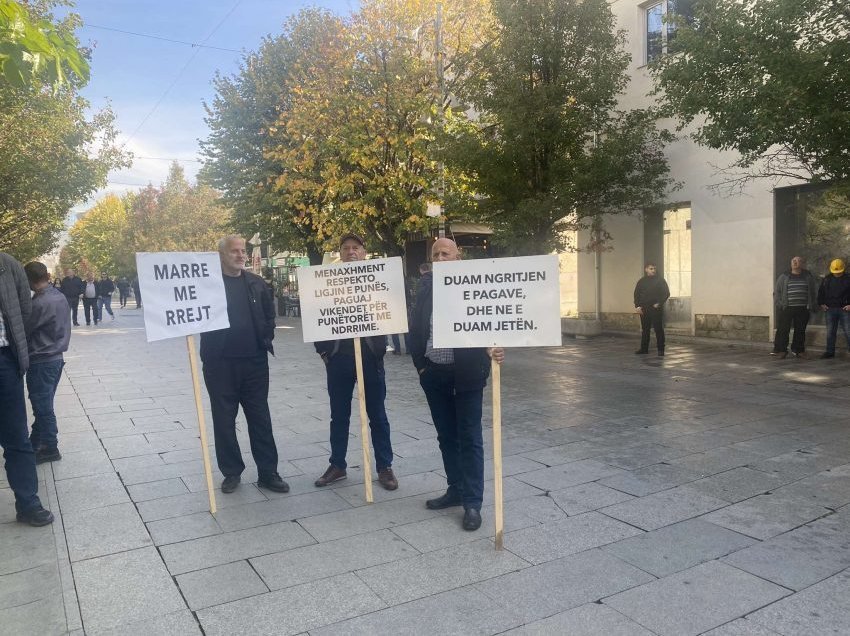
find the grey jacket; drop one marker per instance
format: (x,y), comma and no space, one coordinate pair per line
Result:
(780,292)
(51,326)
(16,307)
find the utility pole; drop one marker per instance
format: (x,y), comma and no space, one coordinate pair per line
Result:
(441,87)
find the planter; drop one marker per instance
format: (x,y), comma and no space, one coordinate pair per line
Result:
(581,327)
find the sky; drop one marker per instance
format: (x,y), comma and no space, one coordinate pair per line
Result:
(157,88)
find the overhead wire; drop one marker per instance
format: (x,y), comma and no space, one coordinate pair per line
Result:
(159,37)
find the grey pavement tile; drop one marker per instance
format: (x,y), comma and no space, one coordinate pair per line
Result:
(539,508)
(678,547)
(102,531)
(543,590)
(566,453)
(823,608)
(138,462)
(766,516)
(292,610)
(322,560)
(592,619)
(94,462)
(280,509)
(42,616)
(157,489)
(512,488)
(79,441)
(741,627)
(124,588)
(715,461)
(434,572)
(651,479)
(460,612)
(29,586)
(706,440)
(220,584)
(830,488)
(800,464)
(738,484)
(566,475)
(801,557)
(770,445)
(177,529)
(93,491)
(695,600)
(128,446)
(664,508)
(175,624)
(166,507)
(586,497)
(443,531)
(207,552)
(639,456)
(410,485)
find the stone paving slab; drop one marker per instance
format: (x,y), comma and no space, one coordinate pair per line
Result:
(102,531)
(664,508)
(766,516)
(220,584)
(592,619)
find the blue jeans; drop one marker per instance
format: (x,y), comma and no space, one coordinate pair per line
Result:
(17,450)
(104,301)
(342,376)
(42,380)
(836,316)
(457,418)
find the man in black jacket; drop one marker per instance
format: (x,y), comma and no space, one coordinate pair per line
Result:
(651,292)
(834,299)
(338,356)
(453,381)
(72,287)
(105,288)
(236,371)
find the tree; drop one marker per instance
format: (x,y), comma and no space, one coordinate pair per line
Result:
(103,236)
(769,79)
(549,148)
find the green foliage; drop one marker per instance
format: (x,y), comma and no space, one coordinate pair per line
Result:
(103,237)
(549,149)
(769,79)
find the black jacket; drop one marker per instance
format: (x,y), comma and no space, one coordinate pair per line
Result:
(472,366)
(834,291)
(105,287)
(72,286)
(651,290)
(262,313)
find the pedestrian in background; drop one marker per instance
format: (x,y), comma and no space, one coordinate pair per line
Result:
(90,298)
(137,292)
(15,312)
(795,295)
(834,299)
(105,289)
(50,333)
(72,287)
(651,292)
(123,286)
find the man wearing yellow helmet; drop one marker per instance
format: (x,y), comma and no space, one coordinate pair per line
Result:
(834,299)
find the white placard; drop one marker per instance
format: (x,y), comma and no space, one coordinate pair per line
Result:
(182,293)
(497,302)
(356,299)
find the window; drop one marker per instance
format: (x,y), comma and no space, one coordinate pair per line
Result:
(660,29)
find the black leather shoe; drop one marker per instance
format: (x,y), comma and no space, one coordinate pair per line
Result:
(641,352)
(446,501)
(272,481)
(230,483)
(471,519)
(36,517)
(44,454)
(661,353)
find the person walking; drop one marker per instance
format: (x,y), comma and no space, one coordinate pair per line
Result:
(105,289)
(834,299)
(50,333)
(90,297)
(15,313)
(123,286)
(453,381)
(338,356)
(236,371)
(137,292)
(72,287)
(651,292)
(795,295)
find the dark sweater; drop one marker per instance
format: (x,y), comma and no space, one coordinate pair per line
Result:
(651,290)
(51,326)
(834,291)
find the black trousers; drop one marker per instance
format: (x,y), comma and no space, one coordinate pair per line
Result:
(798,317)
(652,318)
(232,382)
(90,307)
(74,304)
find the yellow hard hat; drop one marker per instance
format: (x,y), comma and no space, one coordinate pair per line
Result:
(837,266)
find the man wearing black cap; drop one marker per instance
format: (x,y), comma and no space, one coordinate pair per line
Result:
(338,356)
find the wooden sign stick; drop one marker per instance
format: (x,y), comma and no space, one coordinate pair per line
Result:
(364,421)
(205,450)
(498,515)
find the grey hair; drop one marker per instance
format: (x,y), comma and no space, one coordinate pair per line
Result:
(224,241)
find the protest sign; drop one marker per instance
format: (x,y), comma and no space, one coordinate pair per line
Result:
(347,300)
(497,302)
(184,295)
(183,292)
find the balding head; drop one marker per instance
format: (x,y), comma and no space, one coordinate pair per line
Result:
(444,249)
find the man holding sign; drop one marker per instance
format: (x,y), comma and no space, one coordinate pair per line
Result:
(236,371)
(338,356)
(453,381)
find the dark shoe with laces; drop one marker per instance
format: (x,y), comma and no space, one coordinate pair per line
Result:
(826,355)
(272,481)
(661,353)
(230,483)
(387,479)
(641,352)
(36,516)
(448,500)
(332,474)
(45,454)
(471,519)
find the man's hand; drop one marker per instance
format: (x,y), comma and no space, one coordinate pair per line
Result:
(846,307)
(497,354)
(656,305)
(639,310)
(824,307)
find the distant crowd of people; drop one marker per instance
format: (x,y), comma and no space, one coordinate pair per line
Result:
(96,294)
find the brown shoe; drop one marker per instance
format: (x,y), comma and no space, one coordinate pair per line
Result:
(387,479)
(331,475)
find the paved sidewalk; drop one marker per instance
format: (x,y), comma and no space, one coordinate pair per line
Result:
(706,492)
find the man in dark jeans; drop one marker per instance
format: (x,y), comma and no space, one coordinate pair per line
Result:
(338,356)
(651,292)
(834,299)
(72,287)
(453,381)
(795,296)
(15,311)
(48,340)
(236,371)
(105,289)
